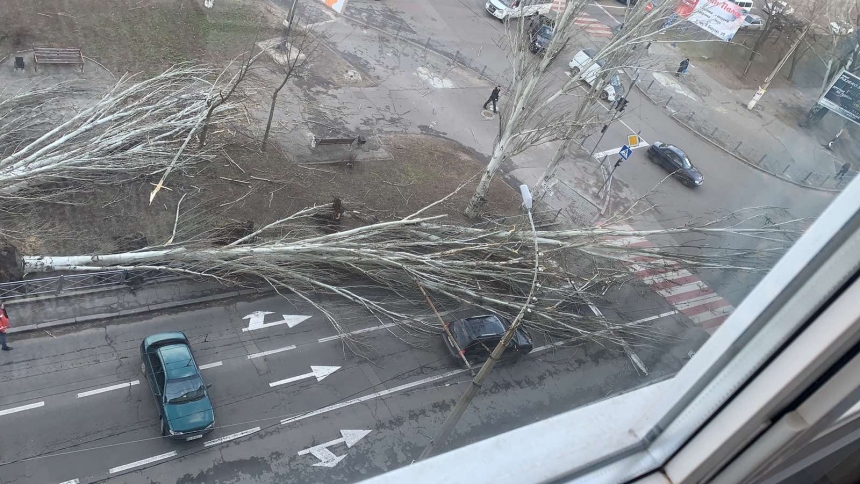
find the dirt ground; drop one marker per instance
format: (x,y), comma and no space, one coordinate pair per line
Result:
(268,187)
(137,35)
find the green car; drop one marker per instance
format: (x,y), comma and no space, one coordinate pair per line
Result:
(183,404)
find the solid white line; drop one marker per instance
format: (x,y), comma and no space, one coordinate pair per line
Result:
(614,151)
(714,314)
(227,438)
(607,12)
(210,365)
(22,408)
(405,386)
(627,349)
(73,481)
(271,352)
(107,389)
(365,330)
(142,462)
(698,301)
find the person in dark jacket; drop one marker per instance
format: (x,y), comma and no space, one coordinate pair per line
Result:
(843,171)
(682,68)
(494,97)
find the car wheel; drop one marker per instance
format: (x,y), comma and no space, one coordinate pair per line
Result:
(604,96)
(163,427)
(574,71)
(143,369)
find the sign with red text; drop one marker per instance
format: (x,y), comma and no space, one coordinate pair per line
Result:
(719,17)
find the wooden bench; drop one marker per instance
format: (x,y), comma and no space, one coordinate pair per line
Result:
(351,141)
(50,55)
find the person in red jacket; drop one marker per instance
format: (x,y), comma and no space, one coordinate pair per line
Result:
(4,325)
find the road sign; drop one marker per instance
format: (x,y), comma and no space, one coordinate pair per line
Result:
(328,458)
(632,140)
(625,152)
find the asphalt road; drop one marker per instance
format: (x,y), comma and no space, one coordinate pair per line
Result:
(74,404)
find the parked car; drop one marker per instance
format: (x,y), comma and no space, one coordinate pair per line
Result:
(778,6)
(506,9)
(752,22)
(745,5)
(613,90)
(840,29)
(478,335)
(180,394)
(676,162)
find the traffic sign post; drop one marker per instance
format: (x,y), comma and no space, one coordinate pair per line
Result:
(625,151)
(632,140)
(624,154)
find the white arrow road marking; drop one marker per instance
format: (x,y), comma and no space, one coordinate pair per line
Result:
(107,389)
(22,408)
(142,462)
(210,365)
(327,457)
(271,352)
(319,372)
(227,438)
(257,319)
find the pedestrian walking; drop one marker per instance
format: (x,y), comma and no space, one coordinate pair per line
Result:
(4,325)
(682,68)
(843,171)
(494,97)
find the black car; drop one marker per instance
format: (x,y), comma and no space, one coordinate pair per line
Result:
(676,162)
(539,38)
(478,335)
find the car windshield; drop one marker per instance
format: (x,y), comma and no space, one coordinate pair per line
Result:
(545,32)
(184,390)
(506,3)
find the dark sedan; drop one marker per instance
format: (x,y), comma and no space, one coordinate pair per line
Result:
(676,162)
(540,38)
(477,336)
(183,404)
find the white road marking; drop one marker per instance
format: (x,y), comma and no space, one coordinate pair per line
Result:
(607,12)
(614,151)
(666,276)
(73,481)
(142,462)
(210,365)
(107,389)
(257,320)
(319,372)
(22,408)
(713,314)
(691,287)
(271,352)
(328,458)
(626,241)
(227,438)
(697,301)
(365,330)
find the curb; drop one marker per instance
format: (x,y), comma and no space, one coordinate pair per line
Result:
(140,310)
(733,155)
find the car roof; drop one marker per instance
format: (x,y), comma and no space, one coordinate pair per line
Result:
(177,360)
(590,53)
(484,326)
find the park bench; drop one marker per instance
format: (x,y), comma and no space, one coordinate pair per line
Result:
(351,141)
(50,55)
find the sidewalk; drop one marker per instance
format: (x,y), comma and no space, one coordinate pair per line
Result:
(764,138)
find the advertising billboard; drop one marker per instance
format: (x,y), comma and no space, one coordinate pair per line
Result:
(843,96)
(336,5)
(719,17)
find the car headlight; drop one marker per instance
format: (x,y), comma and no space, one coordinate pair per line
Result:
(171,432)
(210,426)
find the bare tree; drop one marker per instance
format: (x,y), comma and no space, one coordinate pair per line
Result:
(298,44)
(539,112)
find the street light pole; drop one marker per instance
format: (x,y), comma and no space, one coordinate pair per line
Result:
(448,426)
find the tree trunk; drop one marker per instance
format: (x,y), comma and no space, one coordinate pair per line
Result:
(798,54)
(479,199)
(765,33)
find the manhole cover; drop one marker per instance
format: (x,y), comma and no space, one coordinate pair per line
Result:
(487,114)
(352,75)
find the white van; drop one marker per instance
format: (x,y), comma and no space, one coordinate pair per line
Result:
(505,9)
(745,5)
(613,89)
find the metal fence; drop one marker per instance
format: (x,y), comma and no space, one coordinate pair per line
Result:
(75,282)
(766,158)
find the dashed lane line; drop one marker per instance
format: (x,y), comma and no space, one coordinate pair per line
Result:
(22,408)
(211,365)
(107,389)
(227,438)
(143,462)
(271,352)
(73,481)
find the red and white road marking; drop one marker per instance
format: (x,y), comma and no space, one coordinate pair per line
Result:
(585,21)
(682,289)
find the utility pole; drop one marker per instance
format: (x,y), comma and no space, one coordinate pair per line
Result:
(617,164)
(448,426)
(763,88)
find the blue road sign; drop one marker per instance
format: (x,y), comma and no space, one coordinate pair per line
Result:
(625,152)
